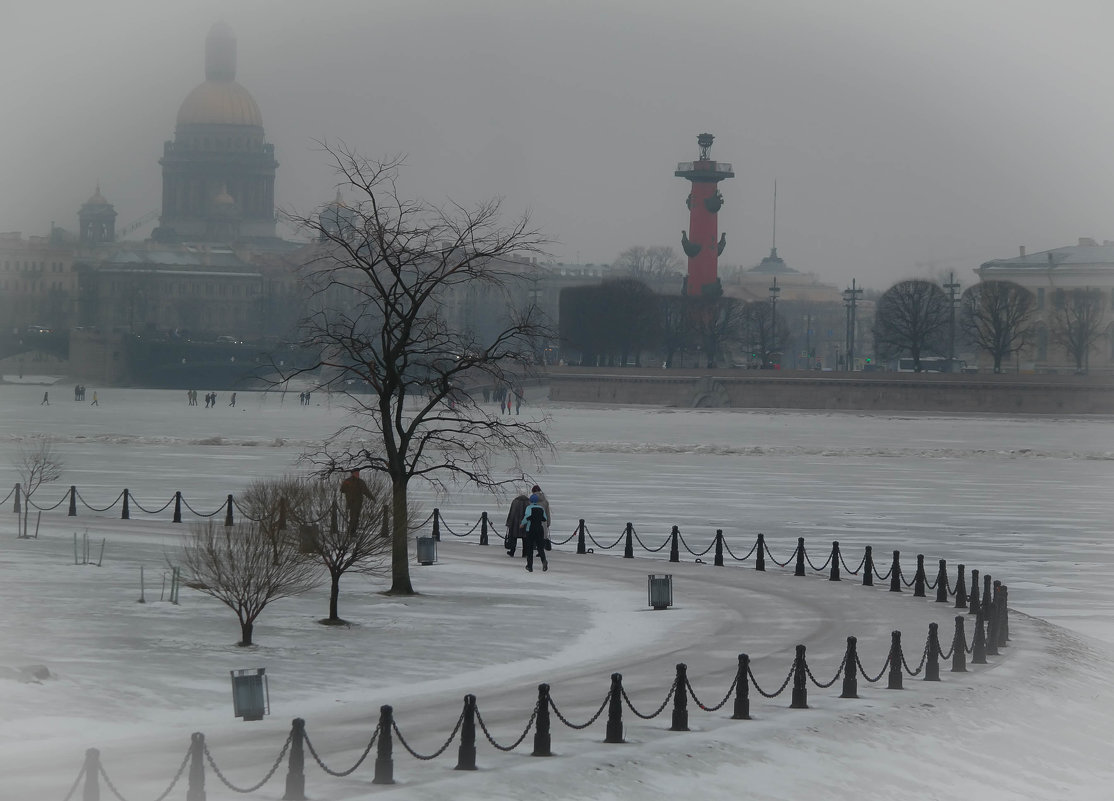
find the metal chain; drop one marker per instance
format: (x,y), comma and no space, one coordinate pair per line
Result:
(854,572)
(672,689)
(80,773)
(948,655)
(598,545)
(424,521)
(773,559)
(94,508)
(646,547)
(881,673)
(690,550)
(351,770)
(731,553)
(591,720)
(826,685)
(779,690)
(903,581)
(10,493)
(880,577)
(254,787)
(151,511)
(730,691)
(465,534)
(439,751)
(567,539)
(194,511)
(31,503)
(920,667)
(518,742)
(166,792)
(814,567)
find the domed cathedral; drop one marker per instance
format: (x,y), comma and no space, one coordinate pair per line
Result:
(218,175)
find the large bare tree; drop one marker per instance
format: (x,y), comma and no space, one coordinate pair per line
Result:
(911,317)
(238,566)
(1077,322)
(998,317)
(384,277)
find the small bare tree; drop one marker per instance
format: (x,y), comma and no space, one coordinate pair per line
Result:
(36,464)
(648,262)
(1077,323)
(338,547)
(237,566)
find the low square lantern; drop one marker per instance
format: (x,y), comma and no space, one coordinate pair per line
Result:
(251,698)
(427,550)
(660,590)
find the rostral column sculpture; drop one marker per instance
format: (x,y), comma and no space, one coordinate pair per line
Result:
(702,242)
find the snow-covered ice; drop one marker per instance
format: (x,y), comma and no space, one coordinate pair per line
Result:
(1026,499)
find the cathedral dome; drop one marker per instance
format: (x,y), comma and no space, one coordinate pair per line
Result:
(220,100)
(220,103)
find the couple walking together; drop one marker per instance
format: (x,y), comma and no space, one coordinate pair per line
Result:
(529,520)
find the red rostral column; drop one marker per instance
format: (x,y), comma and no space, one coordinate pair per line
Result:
(701,242)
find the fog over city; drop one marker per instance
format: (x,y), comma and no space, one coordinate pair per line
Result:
(907,139)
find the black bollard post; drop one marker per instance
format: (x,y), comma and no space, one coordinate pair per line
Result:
(895,573)
(833,575)
(932,665)
(760,553)
(681,699)
(719,547)
(973,598)
(991,617)
(628,549)
(868,567)
(942,583)
(615,710)
(92,772)
(1003,612)
(895,661)
(851,670)
(799,569)
(800,678)
(674,551)
(178,506)
(384,762)
(296,764)
(228,521)
(196,789)
(961,588)
(978,647)
(483,528)
(436,524)
(959,647)
(742,690)
(542,741)
(73,502)
(466,754)
(125,513)
(919,579)
(281,524)
(581,546)
(987,597)
(16,510)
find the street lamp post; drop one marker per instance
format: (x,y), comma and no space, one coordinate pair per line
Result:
(952,286)
(850,299)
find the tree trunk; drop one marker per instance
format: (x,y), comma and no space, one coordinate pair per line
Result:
(334,597)
(400,544)
(245,633)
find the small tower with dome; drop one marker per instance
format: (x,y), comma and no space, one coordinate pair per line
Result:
(97,220)
(219,152)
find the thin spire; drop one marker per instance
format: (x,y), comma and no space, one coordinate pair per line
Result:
(773,242)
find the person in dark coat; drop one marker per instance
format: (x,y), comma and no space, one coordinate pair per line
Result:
(514,522)
(533,523)
(354,489)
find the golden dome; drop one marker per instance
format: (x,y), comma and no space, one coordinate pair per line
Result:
(218,102)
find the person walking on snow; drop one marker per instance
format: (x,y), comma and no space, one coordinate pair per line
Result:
(534,523)
(354,489)
(94,403)
(46,399)
(514,521)
(544,501)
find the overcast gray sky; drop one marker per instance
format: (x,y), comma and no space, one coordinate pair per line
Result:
(907,138)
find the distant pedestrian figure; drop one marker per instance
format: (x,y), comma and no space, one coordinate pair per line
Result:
(534,524)
(214,400)
(354,489)
(518,395)
(94,403)
(46,399)
(514,520)
(233,401)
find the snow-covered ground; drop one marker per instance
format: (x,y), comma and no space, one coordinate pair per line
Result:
(1026,499)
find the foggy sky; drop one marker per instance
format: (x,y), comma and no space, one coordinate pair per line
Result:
(906,138)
